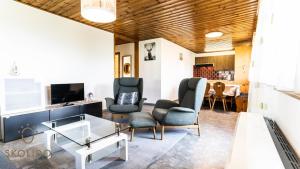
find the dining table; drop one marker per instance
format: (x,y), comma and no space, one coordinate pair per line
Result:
(233,90)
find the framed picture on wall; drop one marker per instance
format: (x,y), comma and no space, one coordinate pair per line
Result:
(126,66)
(150,51)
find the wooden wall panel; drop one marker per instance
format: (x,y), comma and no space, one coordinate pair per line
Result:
(117,65)
(136,59)
(220,62)
(242,65)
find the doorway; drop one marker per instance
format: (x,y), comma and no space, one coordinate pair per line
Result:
(117,65)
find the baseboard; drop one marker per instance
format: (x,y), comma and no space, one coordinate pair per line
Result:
(149,104)
(153,104)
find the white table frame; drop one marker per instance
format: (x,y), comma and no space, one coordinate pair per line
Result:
(82,152)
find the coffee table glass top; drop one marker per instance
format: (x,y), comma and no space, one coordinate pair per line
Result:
(85,129)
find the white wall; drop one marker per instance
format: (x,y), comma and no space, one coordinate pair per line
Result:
(150,71)
(275,57)
(173,70)
(54,49)
(126,49)
(163,75)
(282,108)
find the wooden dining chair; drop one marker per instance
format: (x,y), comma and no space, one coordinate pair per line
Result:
(219,88)
(207,95)
(229,99)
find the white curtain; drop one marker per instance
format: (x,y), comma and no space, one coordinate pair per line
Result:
(276,45)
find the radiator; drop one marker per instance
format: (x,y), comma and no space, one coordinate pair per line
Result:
(259,144)
(286,152)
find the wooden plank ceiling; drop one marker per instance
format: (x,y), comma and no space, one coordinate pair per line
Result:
(184,22)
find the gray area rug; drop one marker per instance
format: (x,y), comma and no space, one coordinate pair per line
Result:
(210,151)
(143,152)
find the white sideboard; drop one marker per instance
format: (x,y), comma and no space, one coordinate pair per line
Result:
(19,94)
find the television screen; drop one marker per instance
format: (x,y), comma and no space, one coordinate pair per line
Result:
(65,93)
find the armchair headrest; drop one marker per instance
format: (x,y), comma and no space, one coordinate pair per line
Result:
(192,83)
(129,82)
(191,93)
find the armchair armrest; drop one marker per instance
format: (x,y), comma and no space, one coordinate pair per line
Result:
(165,104)
(109,102)
(141,103)
(182,109)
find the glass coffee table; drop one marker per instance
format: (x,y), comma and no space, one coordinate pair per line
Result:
(83,135)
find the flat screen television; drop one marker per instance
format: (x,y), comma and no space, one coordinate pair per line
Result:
(66,93)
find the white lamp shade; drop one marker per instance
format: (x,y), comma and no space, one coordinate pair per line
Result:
(101,11)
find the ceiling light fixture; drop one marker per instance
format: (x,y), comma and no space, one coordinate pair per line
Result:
(100,11)
(214,34)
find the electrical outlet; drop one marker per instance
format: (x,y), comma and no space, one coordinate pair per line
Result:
(261,105)
(265,107)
